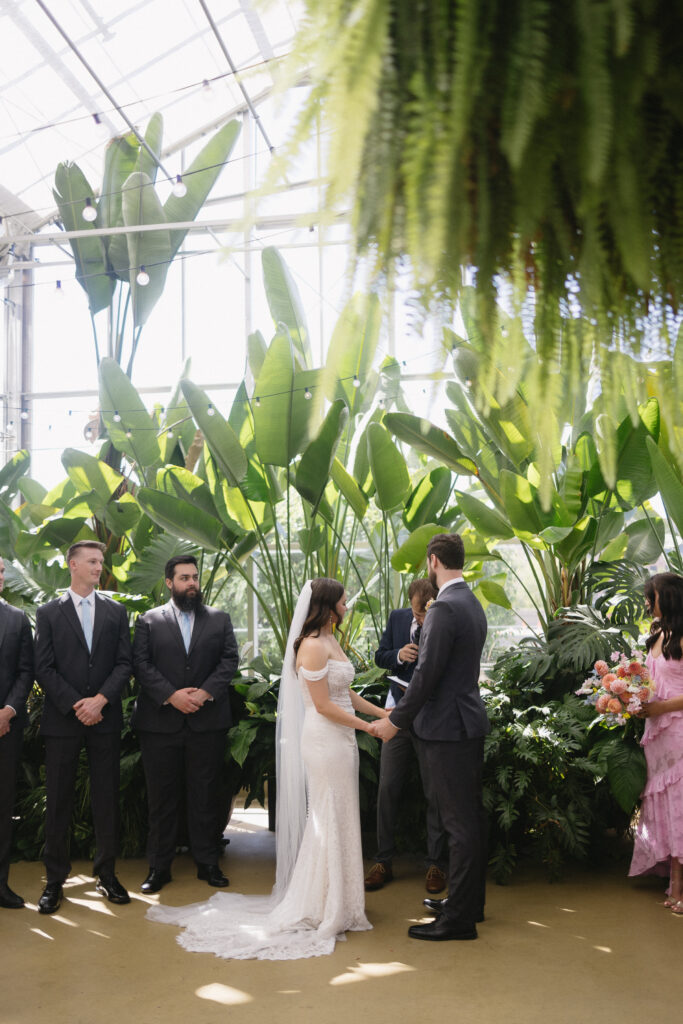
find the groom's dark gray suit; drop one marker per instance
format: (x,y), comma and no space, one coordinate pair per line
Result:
(445,709)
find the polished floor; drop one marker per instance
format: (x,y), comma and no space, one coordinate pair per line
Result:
(595,947)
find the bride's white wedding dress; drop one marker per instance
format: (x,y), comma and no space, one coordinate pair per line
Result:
(325,895)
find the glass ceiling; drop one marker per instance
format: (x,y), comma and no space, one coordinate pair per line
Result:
(150,55)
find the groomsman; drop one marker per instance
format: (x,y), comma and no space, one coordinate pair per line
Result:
(16,680)
(83,662)
(185,655)
(397,652)
(446,711)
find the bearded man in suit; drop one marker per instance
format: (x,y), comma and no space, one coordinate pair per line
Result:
(447,713)
(185,656)
(16,680)
(83,663)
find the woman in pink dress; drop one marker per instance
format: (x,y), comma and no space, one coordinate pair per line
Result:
(659,835)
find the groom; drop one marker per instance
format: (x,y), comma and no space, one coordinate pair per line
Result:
(447,713)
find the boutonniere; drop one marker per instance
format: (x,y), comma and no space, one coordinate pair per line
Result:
(429,604)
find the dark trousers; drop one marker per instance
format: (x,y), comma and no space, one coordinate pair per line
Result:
(10,753)
(397,758)
(61,763)
(456,772)
(169,759)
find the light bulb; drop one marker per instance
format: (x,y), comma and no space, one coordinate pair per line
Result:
(210,410)
(180,188)
(58,288)
(116,417)
(169,435)
(24,414)
(142,277)
(257,401)
(307,394)
(89,211)
(128,434)
(355,381)
(99,123)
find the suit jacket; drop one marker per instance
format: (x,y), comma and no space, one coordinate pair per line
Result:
(443,700)
(16,660)
(67,671)
(395,636)
(162,666)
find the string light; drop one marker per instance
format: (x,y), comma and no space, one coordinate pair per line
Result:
(116,417)
(180,188)
(210,410)
(89,211)
(169,435)
(58,288)
(142,277)
(308,394)
(24,414)
(129,434)
(355,381)
(99,123)
(257,401)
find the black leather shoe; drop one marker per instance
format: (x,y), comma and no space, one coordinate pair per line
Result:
(156,880)
(9,899)
(437,908)
(212,874)
(110,887)
(51,899)
(441,931)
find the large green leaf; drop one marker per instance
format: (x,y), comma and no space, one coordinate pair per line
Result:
(635,479)
(220,437)
(124,414)
(389,470)
(199,178)
(71,190)
(349,489)
(12,472)
(180,518)
(670,487)
(177,417)
(149,249)
(183,484)
(351,353)
(148,569)
(91,474)
(492,592)
(483,518)
(282,414)
(428,498)
(120,159)
(520,503)
(285,302)
(626,772)
(313,471)
(424,437)
(412,554)
(645,540)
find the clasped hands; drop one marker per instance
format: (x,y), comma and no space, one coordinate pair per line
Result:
(383,729)
(189,699)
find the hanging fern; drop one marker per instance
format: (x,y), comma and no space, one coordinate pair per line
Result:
(539,144)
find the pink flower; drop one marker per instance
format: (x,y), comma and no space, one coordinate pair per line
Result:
(615,655)
(643,694)
(615,706)
(635,669)
(618,685)
(601,703)
(601,667)
(621,672)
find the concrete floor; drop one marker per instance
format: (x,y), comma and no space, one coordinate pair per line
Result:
(594,947)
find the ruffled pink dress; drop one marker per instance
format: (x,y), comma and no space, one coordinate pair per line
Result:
(659,834)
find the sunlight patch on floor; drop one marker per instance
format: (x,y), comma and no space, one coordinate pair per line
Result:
(223,994)
(365,972)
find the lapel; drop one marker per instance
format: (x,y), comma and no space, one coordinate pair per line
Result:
(69,612)
(172,624)
(200,620)
(4,618)
(100,616)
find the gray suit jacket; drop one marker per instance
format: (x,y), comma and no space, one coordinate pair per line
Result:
(16,660)
(443,700)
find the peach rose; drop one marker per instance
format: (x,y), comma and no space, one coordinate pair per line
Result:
(621,671)
(617,685)
(601,667)
(601,703)
(635,669)
(643,694)
(615,706)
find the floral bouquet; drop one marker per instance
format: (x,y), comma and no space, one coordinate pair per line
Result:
(617,693)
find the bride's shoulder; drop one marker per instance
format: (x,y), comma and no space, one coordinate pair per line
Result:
(313,653)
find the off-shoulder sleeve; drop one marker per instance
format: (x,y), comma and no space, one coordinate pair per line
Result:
(313,677)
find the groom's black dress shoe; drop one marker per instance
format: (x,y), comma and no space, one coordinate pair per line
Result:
(156,880)
(9,899)
(441,931)
(51,899)
(110,887)
(437,907)
(212,874)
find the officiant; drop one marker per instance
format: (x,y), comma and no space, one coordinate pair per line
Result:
(397,652)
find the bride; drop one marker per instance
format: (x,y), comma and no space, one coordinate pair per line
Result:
(319,892)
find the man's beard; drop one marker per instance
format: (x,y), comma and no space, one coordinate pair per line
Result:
(432,579)
(187,602)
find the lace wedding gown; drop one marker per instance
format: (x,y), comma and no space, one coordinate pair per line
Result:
(325,895)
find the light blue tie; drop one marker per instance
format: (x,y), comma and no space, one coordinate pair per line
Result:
(86,622)
(186,629)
